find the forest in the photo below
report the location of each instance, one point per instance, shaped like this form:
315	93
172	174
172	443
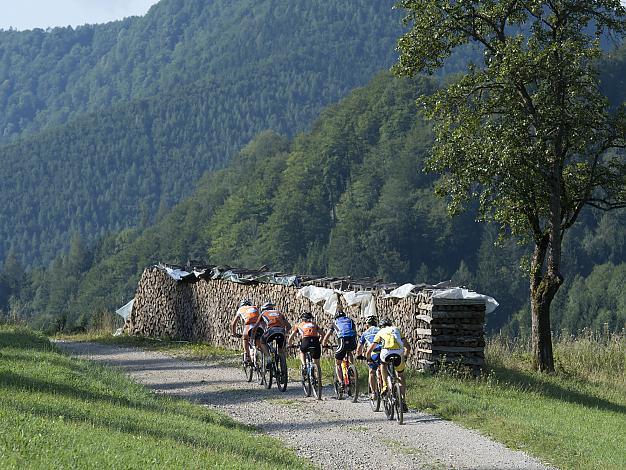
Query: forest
347	198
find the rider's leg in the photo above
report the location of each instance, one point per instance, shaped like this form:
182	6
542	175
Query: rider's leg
383	371
246	346
338	369
372	379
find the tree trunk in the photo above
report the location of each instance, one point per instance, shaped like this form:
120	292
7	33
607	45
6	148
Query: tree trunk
543	288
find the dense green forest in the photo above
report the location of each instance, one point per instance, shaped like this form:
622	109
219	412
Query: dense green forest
112	124
349	197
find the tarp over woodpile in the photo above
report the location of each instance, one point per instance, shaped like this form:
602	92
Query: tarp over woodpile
198	303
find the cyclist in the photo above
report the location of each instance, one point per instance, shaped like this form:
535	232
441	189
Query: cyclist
248	314
344	329
367	338
393	343
310	334
273	325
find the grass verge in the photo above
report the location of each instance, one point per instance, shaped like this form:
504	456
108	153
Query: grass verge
574	418
59	412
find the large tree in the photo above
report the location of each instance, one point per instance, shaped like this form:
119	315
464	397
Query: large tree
527	131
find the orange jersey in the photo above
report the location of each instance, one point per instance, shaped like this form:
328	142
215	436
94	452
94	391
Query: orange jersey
272	319
248	314
308	329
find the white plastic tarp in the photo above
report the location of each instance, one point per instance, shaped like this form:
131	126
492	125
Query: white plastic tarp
125	311
459	293
329	299
401	292
176	274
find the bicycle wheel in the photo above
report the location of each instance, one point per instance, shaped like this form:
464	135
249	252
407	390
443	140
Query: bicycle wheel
306	376
316	380
388	400
259	360
374	397
247	368
353	384
282	375
337	384
398	404
269	374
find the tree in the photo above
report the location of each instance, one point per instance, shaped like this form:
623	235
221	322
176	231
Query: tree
527	132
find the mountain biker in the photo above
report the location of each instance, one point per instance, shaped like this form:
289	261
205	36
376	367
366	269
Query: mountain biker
394	345
366	339
345	331
248	314
273	325
310	334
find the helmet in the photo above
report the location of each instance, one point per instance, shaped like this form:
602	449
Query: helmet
307	316
267	306
386	322
373	320
340	313
245	302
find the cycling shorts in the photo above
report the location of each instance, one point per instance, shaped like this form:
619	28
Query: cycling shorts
375	362
248	328
346	344
277	333
312	344
396	355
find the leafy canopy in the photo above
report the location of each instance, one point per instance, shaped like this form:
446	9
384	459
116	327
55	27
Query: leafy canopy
527	127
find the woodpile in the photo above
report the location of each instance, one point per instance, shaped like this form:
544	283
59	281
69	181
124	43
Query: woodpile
438	329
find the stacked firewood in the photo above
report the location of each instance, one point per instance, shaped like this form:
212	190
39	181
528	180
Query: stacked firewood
450	331
437	329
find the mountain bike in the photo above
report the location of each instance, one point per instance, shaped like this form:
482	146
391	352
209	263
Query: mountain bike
311	376
374	395
252	366
277	367
392	399
349	385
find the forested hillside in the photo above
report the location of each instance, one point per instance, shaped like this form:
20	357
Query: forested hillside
349	197
134	112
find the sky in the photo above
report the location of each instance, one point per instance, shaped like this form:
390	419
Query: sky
29	14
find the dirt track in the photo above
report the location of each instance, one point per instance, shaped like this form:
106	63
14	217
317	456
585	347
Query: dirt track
332	433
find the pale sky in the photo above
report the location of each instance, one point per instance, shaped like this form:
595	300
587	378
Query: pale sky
29	14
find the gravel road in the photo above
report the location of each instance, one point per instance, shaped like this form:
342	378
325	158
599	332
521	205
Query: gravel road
331	433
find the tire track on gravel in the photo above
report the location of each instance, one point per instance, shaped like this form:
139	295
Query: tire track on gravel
331	433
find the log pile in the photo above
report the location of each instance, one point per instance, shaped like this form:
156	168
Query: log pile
437	329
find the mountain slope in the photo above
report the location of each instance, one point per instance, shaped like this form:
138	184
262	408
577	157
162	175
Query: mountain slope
247	66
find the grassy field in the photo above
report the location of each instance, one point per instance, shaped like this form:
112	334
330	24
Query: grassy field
58	412
575	418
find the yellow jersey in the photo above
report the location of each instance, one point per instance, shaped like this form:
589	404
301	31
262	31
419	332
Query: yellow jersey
389	337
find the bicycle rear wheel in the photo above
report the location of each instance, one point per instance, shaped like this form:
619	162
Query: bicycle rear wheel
306	376
247	368
259	367
388	400
374	397
398	403
282	375
353	384
316	380
337	384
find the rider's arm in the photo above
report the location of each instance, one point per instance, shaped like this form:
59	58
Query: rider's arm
359	349
371	348
325	340
407	347
292	335
233	324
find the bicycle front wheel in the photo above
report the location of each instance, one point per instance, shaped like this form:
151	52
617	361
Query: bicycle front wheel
353	384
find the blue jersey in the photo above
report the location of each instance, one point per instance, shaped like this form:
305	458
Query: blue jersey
344	327
368	337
